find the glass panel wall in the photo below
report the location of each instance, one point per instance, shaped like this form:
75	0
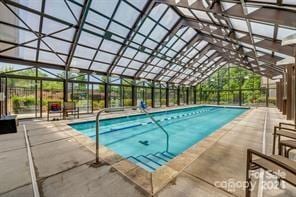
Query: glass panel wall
51	91
98	96
115	98
163	97
22	98
232	85
157	97
173	96
127	96
81	95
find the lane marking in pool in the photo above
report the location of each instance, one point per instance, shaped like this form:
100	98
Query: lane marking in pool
161	120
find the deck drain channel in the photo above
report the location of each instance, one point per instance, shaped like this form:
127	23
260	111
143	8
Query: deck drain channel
31	165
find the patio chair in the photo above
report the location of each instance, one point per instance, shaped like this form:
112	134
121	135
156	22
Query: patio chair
70	107
281	131
278	165
54	107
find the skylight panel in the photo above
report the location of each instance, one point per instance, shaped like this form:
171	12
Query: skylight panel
178	45
50	57
138	39
127	19
262	29
157	11
129	72
189	34
158	33
31	20
141	56
147	26
283	32
97	20
150	44
135	64
59	9
202	15
124	62
57	45
118	29
118	70
289	2
22	53
239	24
110	46
170	18
201	45
186	12
89	39
130	53
104	7
80	63
84	52
139	4
104	57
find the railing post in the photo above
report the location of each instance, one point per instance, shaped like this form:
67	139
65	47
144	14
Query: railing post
97	136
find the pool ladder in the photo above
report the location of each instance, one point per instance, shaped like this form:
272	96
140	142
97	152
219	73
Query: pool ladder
122	109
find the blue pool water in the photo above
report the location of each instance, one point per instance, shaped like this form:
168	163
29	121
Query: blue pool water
143	142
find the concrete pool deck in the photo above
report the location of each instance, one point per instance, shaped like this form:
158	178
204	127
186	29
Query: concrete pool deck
62	164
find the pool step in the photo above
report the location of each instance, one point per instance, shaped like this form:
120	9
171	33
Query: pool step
151	162
142	164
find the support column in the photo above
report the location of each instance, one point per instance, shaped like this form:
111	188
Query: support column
134	95
289	93
66	81
106	94
153	94
167	95
194	96
267	93
240	97
1	102
187	95
178	95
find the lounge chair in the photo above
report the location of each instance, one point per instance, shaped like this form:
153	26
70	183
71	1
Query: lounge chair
54	107
273	164
281	131
70	107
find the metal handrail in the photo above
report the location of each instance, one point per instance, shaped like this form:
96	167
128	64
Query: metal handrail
166	133
135	107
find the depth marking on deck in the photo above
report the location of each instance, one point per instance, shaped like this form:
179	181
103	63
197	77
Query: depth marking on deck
31	165
261	173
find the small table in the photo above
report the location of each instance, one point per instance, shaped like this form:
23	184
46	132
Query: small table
8	124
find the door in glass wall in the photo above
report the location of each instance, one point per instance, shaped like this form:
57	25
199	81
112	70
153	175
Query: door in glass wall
52	91
115	98
127	96
81	95
148	96
22	98
172	97
98	96
157	97
163	97
140	95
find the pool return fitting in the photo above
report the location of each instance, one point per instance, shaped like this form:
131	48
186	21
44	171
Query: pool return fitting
142	108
